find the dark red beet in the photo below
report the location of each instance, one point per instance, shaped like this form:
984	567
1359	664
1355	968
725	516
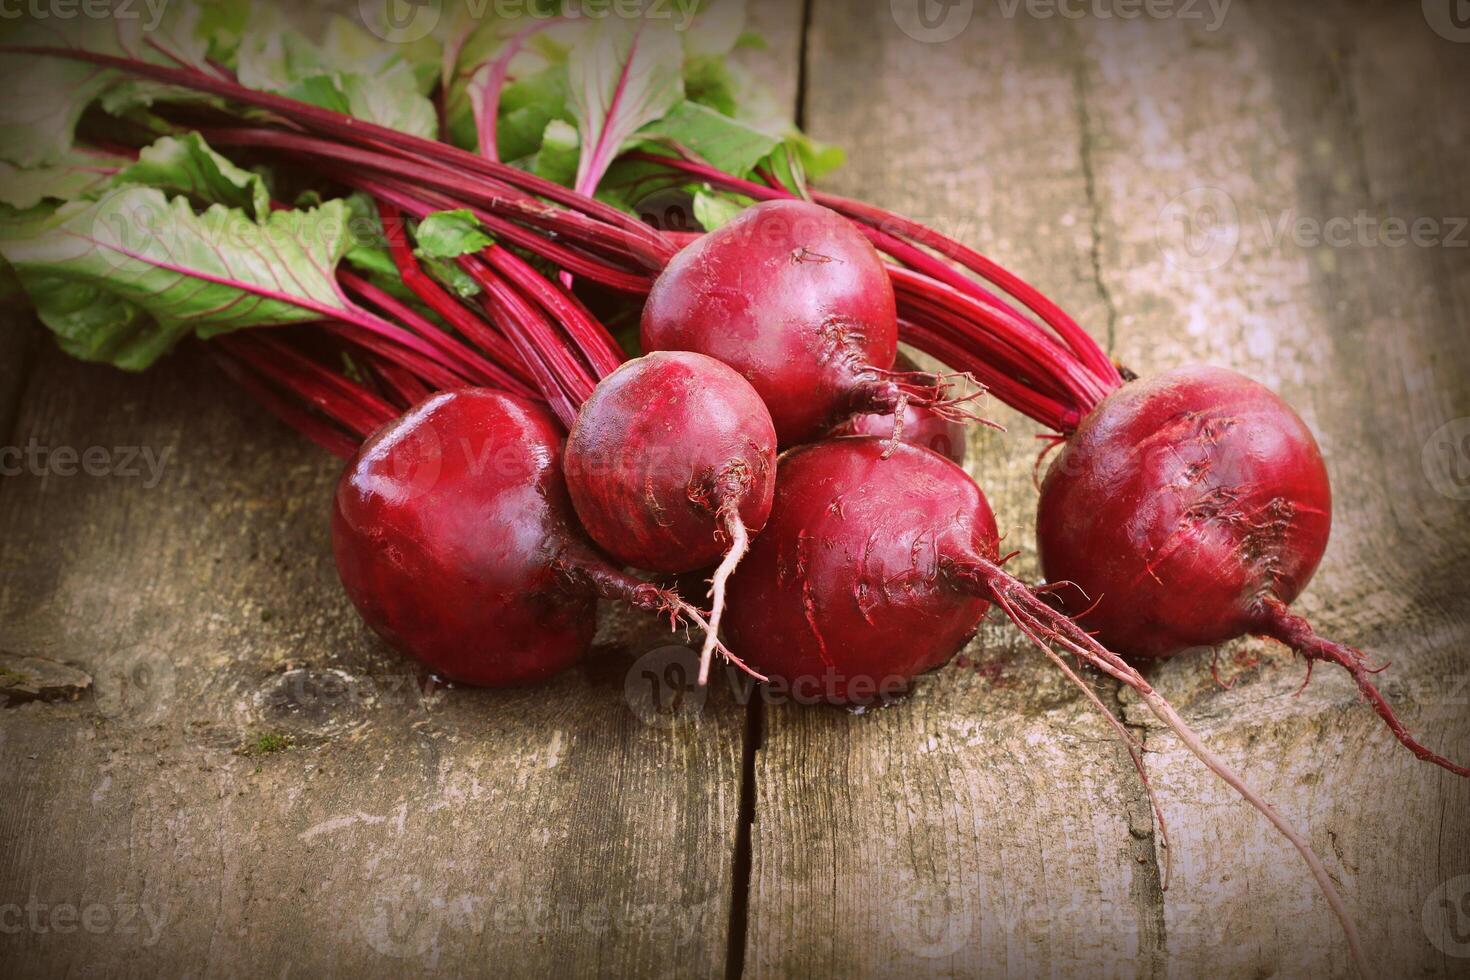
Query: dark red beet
844	596
666	446
671	465
921	426
872	570
1188	509
797	301
1181	503
455	540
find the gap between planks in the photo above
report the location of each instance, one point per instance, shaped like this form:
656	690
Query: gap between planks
740	878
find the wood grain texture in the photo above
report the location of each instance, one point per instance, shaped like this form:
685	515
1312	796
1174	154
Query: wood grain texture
406	829
1297	120
1070	150
16	342
991	825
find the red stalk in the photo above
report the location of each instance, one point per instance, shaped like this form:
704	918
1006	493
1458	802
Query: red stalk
1032	298
1054	361
358	131
486	98
323	433
565	381
438	299
500	198
939	340
401	382
421	203
431	372
485	372
587	334
351	405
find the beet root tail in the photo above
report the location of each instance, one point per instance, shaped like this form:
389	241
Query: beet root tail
1045	626
892	391
585	571
739	545
1287	627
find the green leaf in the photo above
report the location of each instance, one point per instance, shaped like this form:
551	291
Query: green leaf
450	234
729	145
44	99
714	210
536	87
817	159
93	324
348	46
385	91
560	149
124	278
176	34
527	107
712	82
76	175
222	23
388	99
786	164
622	77
716	29
450	274
187	165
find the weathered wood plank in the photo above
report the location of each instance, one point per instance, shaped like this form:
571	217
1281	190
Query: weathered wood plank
1287	115
402	829
990	825
406	828
1058	148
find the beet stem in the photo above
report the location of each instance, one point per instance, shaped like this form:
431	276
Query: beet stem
359	131
1281	624
316	429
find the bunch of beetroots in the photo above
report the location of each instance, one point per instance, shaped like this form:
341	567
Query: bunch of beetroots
1184	511
669	467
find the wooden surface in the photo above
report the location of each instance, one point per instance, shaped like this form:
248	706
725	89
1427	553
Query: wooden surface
990	826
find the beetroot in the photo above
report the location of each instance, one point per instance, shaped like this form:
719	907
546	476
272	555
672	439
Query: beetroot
872	570
791	296
1191	508
846	596
671	452
672	464
455	540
